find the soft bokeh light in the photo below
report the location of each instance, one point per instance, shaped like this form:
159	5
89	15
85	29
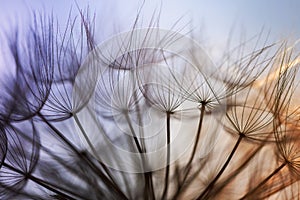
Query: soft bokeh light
253	87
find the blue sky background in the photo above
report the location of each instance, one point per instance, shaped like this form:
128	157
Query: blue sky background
214	18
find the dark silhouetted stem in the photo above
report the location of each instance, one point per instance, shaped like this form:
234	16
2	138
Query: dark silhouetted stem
93	149
40	182
105	179
202	110
188	166
86	136
212	183
137	143
165	191
148	176
239	169
264	181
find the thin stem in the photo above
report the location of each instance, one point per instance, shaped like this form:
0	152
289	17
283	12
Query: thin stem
188	166
57	158
93	148
137	143
39	181
265	180
58	133
149	194
212	183
147	175
202	110
165	191
148	190
87	139
239	169
85	159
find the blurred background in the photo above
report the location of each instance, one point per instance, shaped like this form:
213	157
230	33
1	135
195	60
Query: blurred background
215	19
